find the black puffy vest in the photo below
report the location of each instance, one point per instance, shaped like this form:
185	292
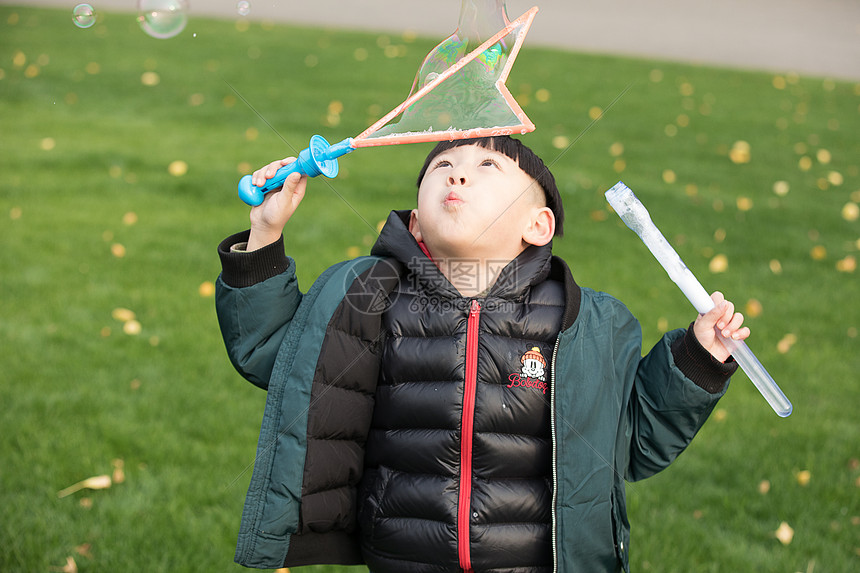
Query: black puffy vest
458	459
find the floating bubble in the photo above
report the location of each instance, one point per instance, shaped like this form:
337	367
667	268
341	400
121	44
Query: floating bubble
467	70
83	16
162	19
244	8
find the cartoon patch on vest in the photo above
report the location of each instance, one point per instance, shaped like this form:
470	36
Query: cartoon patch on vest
533	372
534	364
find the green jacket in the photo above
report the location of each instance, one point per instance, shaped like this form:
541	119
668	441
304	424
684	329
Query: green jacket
616	416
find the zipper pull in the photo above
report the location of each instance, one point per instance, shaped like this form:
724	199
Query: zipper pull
475	307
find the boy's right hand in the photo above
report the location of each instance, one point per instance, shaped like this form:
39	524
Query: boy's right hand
269	217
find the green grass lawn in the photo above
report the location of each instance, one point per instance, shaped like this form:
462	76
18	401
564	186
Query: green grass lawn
93	219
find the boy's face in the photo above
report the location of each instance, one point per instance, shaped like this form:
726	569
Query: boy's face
475	202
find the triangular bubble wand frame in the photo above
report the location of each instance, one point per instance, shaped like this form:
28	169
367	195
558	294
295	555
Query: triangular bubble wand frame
491	62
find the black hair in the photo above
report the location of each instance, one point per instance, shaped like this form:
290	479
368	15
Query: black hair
527	160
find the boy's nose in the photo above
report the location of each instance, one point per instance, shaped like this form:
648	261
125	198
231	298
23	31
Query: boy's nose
457	179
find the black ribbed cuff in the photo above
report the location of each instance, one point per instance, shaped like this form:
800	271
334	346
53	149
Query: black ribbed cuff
246	268
699	365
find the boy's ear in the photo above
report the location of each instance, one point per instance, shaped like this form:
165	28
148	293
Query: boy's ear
541	227
414	227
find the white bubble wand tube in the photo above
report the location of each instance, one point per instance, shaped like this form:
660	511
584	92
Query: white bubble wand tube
635	216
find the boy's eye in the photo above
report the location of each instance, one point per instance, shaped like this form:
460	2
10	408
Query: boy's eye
442	163
489	163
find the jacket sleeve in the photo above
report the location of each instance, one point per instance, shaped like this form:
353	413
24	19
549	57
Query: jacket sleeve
256	296
675	388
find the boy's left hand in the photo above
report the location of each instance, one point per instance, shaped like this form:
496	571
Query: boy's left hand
724	318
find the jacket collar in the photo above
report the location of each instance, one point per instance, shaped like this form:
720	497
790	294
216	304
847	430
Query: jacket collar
532	266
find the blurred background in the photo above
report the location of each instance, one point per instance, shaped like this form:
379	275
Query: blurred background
127	439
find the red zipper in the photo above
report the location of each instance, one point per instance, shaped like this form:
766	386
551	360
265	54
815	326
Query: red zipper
467	424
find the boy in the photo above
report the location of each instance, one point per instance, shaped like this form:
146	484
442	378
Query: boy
455	401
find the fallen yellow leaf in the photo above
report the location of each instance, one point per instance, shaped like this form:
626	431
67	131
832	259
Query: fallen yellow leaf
719	264
560	141
847	265
132	327
818	253
206	289
753	308
851	211
95	482
177	168
69	567
784	345
784	533
740	152
803	477
781	188
764	486
123	314
775	266
118	475
150	79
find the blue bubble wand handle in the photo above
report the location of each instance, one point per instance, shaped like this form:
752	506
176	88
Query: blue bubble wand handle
635	216
320	158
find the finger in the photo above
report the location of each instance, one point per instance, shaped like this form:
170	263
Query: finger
291	182
733	325
741	333
711	317
299	189
266	172
727	311
717	297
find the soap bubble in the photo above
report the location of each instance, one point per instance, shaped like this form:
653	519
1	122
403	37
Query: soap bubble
244	8
83	16
468	97
162	18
